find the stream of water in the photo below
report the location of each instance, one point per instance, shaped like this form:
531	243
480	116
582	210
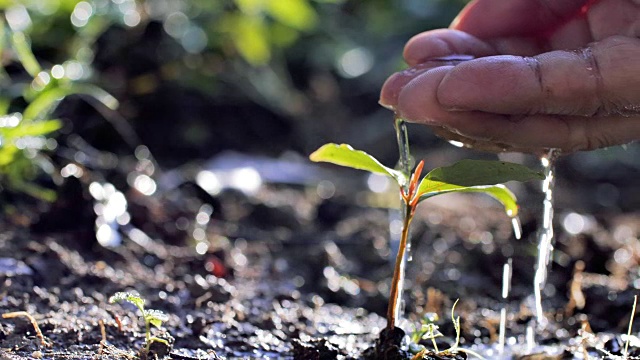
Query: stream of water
545	236
545	240
405	166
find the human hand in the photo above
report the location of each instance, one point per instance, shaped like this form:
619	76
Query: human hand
543	74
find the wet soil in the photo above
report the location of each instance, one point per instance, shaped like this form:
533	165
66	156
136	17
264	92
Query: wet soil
297	272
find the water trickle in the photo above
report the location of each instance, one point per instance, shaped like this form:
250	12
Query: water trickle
545	239
503	330
506	278
506	287
530	339
405	166
517	227
402	136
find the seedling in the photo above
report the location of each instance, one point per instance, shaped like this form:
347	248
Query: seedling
464	176
150	316
429	330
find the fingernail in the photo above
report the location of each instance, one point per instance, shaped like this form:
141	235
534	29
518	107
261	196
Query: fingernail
387	106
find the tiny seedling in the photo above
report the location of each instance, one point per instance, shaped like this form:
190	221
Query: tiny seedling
482	176
150	316
429	330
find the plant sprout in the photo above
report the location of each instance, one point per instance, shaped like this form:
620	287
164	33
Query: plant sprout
482	176
429	330
150	316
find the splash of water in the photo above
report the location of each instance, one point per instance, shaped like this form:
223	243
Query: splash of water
545	240
405	166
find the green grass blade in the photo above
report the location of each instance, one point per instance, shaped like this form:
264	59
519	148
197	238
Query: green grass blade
483	172
345	155
42	105
36	191
25	55
37	128
97	93
429	188
46	101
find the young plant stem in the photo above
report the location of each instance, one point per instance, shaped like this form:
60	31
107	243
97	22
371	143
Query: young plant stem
148	341
398	269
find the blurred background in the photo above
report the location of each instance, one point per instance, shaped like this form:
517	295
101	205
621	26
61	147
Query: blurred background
141	87
278	78
157	93
197	78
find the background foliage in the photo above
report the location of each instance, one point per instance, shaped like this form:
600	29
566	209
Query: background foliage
195	78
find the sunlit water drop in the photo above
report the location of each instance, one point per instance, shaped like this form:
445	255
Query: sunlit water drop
545	240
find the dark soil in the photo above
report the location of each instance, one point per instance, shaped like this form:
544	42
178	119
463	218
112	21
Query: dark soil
289	275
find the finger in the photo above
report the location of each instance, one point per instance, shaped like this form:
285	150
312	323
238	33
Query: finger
487	19
392	86
614	17
568	133
418	102
534	134
600	79
443	42
573	34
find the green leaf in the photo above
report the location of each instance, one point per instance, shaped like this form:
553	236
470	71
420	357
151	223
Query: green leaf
135	299
482	172
298	14
7	154
429	188
249	35
345	155
5	102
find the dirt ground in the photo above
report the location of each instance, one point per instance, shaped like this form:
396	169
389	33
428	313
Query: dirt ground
300	272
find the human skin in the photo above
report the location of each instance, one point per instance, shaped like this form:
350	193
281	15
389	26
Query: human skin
526	75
